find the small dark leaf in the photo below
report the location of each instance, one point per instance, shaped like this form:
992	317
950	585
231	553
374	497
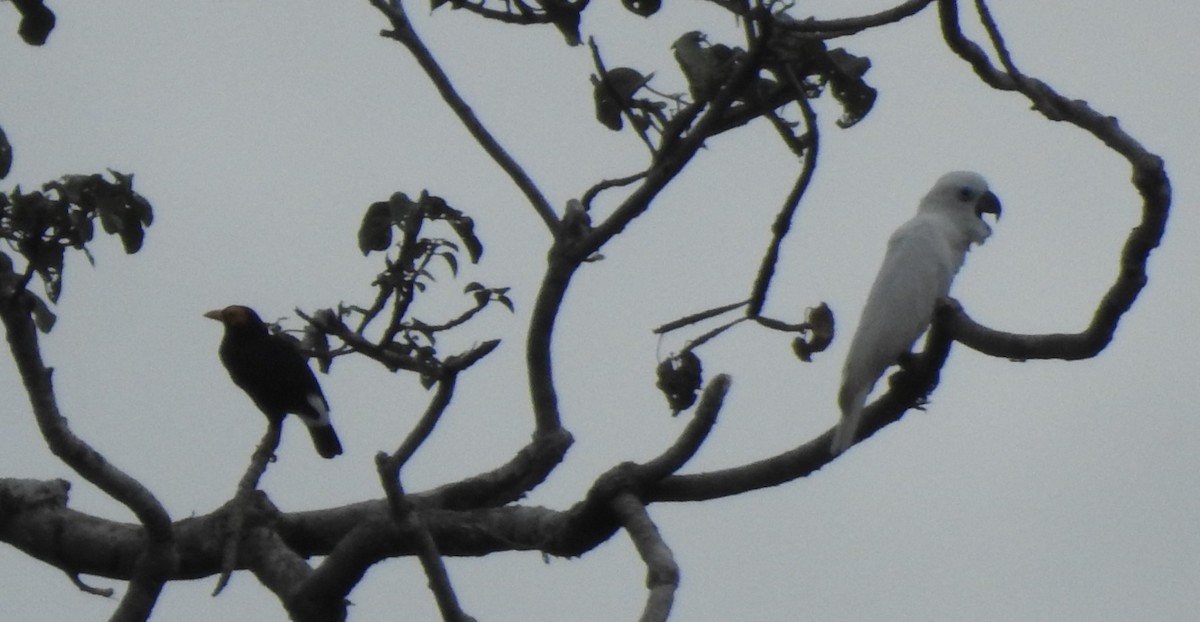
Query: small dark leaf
36	21
6	155
679	378
375	232
612	94
644	8
465	228
48	262
820	328
109	221
608	109
565	16
131	238
78	188
141	209
452	261
43	317
82	226
506	301
855	95
473	286
436	208
52	282
402	208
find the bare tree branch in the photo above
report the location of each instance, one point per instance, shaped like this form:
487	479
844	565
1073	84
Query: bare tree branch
694	434
158	558
662	573
247	486
783	221
831	28
1149	178
403	512
402	31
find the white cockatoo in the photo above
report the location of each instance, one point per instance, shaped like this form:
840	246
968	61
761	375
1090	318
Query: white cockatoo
922	258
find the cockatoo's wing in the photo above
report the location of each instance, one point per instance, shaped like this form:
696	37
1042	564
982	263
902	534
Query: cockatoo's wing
916	272
922	258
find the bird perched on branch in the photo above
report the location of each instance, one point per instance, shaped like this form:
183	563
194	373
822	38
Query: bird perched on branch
270	369
922	258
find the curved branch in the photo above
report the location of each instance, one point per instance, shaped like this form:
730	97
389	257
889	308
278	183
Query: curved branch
538	356
402	509
832	28
390	467
783	221
244	497
676	149
908	388
693	434
157	558
1149	178
662	573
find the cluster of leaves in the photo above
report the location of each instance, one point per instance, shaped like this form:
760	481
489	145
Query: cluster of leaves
816	333
800	66
680	378
397	227
40	226
681	375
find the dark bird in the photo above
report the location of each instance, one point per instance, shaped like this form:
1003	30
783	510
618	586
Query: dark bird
270	369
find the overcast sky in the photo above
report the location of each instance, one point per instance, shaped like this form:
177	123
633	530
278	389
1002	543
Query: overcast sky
261	131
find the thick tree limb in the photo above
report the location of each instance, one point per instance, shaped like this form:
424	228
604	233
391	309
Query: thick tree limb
662	573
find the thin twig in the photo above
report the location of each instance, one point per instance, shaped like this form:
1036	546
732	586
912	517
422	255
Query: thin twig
403	512
263	455
783	221
833	28
603	185
616	96
696	317
403	31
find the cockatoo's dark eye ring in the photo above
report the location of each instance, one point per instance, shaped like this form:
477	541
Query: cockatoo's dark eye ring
966	194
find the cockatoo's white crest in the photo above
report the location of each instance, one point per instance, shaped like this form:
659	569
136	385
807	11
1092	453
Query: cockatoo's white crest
923	255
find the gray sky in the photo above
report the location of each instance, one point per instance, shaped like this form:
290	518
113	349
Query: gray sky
261	131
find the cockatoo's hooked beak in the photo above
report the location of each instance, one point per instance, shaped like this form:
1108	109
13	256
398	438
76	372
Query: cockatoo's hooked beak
988	203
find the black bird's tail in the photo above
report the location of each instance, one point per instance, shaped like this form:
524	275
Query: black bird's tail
325	440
